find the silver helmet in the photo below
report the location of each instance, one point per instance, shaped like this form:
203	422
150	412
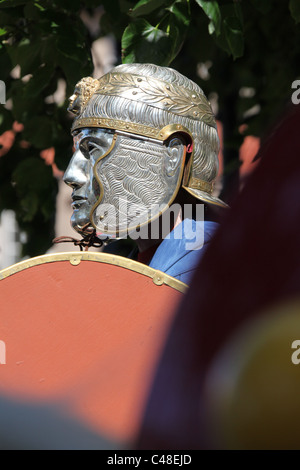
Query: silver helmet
160	135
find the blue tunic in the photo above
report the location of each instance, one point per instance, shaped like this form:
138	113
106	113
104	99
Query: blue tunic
179	253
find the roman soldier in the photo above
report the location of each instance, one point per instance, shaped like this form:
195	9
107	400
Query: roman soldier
145	163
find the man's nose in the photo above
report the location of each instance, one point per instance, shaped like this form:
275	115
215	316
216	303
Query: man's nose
76	172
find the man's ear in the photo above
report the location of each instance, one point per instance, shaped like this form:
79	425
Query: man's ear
176	151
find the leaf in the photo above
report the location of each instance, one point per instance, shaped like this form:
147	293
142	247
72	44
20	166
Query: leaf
212	10
34	183
29	204
73	71
176	23
142	42
39	81
234	36
160	44
180	13
231	38
143	7
294	7
24	107
26	55
70	43
38	131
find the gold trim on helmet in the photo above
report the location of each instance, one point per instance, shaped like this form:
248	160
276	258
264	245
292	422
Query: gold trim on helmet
149	90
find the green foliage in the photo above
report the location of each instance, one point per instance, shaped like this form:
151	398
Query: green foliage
251	44
143	7
165	25
213	12
248	45
294	6
159	44
47	41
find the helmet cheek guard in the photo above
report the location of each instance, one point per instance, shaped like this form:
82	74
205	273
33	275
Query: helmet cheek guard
138	179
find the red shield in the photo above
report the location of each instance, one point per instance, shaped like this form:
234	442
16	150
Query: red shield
85	330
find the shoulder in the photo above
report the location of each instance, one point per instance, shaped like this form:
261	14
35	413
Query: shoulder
179	253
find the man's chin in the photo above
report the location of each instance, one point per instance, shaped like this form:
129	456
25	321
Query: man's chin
81	226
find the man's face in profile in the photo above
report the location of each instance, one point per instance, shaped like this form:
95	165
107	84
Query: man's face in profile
120	183
89	145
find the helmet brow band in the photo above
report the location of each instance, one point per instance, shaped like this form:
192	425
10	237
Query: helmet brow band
131	127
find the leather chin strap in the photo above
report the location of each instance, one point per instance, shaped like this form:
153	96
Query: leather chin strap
85	243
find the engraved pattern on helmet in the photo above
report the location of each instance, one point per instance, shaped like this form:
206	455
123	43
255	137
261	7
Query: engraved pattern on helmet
206	141
158	93
134	173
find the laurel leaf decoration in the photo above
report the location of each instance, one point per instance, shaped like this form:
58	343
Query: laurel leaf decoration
170	97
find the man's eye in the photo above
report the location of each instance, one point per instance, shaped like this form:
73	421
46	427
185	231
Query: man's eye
91	147
87	148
